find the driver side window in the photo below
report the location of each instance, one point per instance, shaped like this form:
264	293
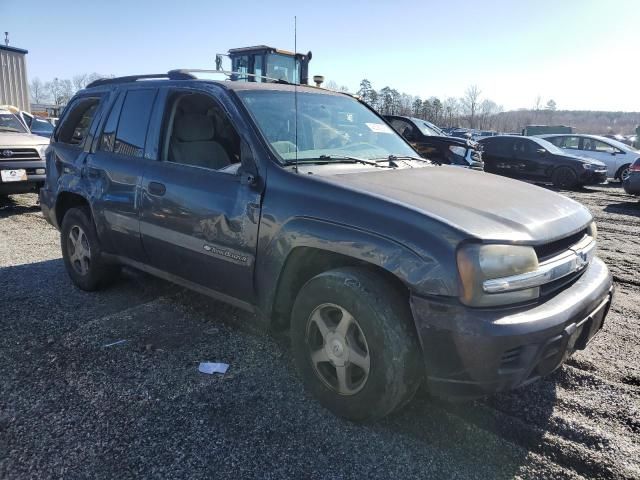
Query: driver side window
199	133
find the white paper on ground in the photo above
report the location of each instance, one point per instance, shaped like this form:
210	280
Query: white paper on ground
210	368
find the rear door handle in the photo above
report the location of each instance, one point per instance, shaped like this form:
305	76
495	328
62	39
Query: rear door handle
157	188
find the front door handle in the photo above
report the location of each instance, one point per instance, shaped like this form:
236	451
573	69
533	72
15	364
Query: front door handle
157	188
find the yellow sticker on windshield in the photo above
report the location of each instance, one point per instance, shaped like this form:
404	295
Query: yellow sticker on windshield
378	127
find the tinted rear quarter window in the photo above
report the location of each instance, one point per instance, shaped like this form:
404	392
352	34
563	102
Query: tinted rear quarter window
130	123
75	126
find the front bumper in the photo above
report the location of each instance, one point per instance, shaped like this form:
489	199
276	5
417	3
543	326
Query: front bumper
632	184
33	182
471	352
593	177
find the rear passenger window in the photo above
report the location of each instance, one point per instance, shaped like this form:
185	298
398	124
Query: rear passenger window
126	129
75	126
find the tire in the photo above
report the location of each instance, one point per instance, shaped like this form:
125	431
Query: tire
623	172
378	352
81	251
564	177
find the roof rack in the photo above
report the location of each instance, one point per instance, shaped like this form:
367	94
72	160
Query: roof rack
228	73
171	75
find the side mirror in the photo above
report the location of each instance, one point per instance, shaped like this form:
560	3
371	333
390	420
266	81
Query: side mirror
542	151
612	151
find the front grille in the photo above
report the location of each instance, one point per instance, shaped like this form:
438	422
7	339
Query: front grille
552	287
18	154
549	250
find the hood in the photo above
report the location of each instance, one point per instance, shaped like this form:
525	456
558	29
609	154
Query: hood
439	139
482	205
585	159
12	139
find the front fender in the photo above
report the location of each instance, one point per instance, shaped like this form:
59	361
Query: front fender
421	273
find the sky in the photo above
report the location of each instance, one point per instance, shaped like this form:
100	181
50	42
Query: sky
584	54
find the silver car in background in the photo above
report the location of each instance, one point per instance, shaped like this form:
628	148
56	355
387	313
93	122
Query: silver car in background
617	156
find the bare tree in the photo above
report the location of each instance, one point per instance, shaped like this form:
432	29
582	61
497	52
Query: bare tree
54	89
331	85
80	81
470	102
38	91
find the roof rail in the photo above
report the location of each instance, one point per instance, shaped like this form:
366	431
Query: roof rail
228	73
171	75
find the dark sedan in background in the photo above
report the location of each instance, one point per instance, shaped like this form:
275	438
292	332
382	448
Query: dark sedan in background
535	159
631	184
434	144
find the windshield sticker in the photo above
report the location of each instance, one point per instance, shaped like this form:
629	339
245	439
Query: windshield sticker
379	128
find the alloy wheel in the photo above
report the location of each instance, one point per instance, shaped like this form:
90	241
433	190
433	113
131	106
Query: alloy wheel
338	349
79	250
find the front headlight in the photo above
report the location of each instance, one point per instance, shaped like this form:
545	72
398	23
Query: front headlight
591	166
457	150
478	263
42	151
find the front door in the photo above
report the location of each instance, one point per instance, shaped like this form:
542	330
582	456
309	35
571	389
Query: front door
603	152
199	217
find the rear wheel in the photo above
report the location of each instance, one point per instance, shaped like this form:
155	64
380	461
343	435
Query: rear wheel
81	251
354	344
564	177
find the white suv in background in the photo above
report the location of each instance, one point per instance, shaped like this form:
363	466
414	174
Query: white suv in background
617	156
22	165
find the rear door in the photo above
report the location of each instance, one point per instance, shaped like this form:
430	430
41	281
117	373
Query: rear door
200	214
115	168
498	155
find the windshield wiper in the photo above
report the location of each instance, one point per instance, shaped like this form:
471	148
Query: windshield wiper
336	159
392	158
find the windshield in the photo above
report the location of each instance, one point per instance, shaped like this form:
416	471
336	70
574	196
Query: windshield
428	129
9	123
550	147
328	125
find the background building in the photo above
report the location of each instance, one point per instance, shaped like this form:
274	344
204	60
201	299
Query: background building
14	85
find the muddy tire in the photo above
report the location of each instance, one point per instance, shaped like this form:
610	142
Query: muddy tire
564	177
81	251
355	345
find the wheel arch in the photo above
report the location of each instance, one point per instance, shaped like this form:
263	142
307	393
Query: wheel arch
618	174
67	200
307	248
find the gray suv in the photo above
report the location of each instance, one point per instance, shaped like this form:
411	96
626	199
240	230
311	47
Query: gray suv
305	207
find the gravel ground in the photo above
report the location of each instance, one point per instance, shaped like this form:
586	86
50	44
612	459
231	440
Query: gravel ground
71	407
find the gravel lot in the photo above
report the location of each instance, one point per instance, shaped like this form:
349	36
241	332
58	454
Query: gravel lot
71	407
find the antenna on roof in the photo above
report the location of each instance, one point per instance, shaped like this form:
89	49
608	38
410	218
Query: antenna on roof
295	84
6	38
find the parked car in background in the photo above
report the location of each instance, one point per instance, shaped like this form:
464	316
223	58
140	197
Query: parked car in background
619	138
535	159
303	206
617	156
434	144
22	165
631	184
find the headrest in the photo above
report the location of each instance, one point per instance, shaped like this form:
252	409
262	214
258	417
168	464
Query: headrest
194	127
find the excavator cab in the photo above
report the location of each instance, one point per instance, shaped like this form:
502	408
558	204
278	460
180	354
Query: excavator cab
267	64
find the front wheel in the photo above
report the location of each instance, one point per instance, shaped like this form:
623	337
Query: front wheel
624	173
564	177
354	344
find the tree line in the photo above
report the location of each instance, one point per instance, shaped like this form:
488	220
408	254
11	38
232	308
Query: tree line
60	90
